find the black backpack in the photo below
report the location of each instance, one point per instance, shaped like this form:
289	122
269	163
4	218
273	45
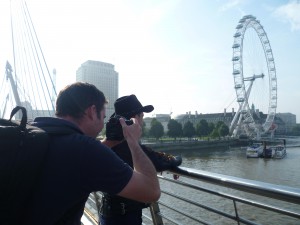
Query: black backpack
23	149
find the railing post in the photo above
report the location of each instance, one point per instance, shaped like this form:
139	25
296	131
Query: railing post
155	213
236	213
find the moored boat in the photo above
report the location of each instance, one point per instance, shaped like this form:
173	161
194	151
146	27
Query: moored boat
279	151
255	150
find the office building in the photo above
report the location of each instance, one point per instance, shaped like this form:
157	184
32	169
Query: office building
104	77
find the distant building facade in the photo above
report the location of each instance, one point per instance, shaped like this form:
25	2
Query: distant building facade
214	118
284	122
104	77
289	120
162	118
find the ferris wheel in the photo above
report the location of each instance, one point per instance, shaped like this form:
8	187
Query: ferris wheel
255	81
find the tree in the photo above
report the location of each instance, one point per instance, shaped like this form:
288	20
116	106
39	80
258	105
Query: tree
211	127
215	133
153	121
174	129
144	130
223	130
202	128
219	124
157	129
188	130
220	130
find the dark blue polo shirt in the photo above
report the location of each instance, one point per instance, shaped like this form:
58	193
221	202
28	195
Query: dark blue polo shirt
75	166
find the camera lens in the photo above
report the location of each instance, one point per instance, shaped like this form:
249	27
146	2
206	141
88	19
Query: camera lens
129	122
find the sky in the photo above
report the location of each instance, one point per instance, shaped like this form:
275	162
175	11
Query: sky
173	54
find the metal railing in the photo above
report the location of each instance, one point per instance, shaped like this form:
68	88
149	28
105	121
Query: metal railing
200	197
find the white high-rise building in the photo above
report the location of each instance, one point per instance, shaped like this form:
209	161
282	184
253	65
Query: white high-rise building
104	77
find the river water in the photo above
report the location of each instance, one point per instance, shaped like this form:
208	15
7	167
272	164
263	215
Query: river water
233	162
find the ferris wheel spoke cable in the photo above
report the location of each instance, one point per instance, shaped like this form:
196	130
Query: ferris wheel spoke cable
258	96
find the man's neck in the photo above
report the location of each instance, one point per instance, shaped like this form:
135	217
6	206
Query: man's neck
77	122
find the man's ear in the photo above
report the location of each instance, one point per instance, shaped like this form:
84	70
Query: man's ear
91	112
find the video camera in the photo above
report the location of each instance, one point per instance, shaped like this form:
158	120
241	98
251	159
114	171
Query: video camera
114	129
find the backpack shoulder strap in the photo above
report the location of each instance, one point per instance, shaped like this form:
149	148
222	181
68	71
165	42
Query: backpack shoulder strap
24	116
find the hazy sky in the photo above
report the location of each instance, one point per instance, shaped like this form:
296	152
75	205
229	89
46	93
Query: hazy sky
174	54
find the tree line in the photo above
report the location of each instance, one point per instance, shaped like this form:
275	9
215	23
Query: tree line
176	130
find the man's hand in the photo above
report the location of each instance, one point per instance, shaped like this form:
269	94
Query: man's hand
131	133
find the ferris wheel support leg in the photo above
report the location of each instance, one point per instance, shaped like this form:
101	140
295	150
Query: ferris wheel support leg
237	127
233	122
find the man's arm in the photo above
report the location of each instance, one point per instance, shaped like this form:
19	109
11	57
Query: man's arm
143	185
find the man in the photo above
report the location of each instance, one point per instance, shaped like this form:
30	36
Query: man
117	210
77	164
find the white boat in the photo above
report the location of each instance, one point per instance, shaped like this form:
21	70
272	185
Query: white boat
255	150
279	151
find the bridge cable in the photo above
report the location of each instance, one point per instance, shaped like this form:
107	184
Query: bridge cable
53	86
33	39
29	59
